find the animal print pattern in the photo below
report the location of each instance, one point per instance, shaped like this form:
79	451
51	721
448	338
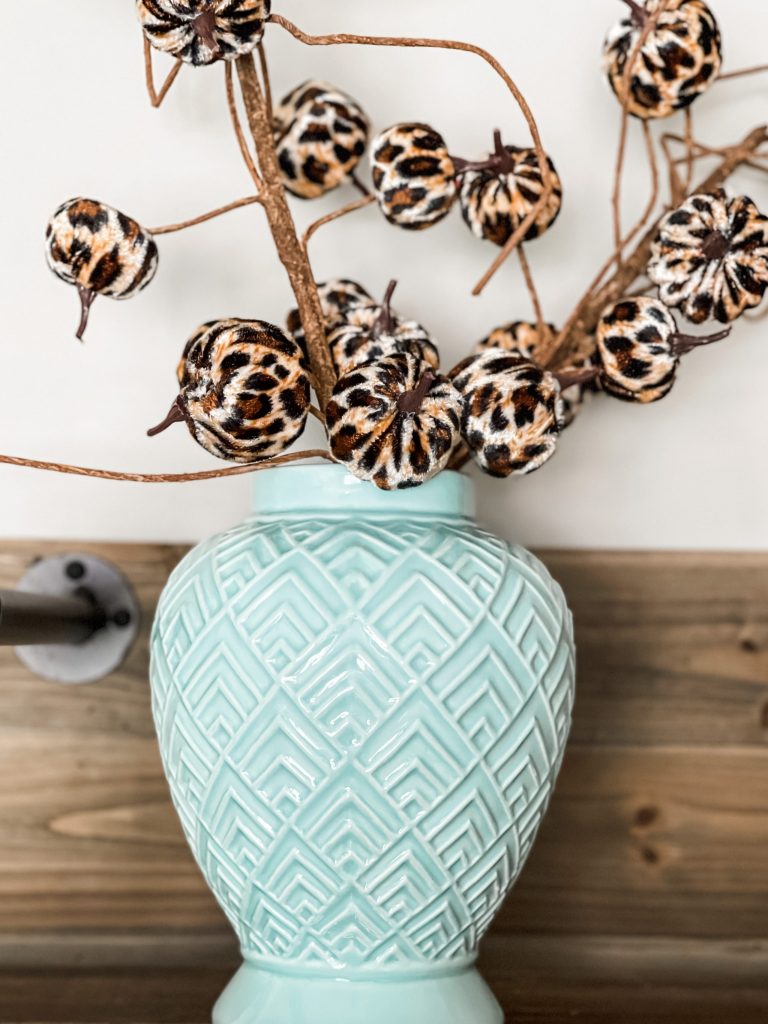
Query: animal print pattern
679	60
339	299
495	202
353	345
322	136
635	339
99	249
394	422
711	257
245	393
511	412
525	340
202	31
413	176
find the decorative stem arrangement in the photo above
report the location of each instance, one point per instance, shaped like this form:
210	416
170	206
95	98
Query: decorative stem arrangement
392	418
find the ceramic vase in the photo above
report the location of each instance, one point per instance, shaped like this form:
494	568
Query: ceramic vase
362	700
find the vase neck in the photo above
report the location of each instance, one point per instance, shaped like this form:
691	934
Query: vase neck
326	490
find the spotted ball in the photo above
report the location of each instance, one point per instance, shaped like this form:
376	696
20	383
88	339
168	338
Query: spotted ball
202	31
414	177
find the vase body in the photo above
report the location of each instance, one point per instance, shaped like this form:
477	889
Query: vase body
362	701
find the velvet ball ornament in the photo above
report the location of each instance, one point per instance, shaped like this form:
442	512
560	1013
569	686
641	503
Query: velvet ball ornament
511	412
100	251
352	345
338	299
322	141
414	177
245	392
394	422
678	61
711	257
529	342
203	31
498	194
640	347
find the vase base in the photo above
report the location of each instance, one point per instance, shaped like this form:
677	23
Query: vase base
264	996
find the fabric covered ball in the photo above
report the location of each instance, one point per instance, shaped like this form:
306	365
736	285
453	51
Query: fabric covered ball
496	198
511	412
202	31
635	340
711	257
394	422
525	340
339	298
353	345
245	392
100	251
413	176
322	141
678	61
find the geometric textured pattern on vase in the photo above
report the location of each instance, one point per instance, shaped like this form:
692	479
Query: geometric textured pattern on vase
362	711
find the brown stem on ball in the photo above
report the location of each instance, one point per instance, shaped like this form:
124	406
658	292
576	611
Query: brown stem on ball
499	162
715	246
684	343
411	401
568	378
639	13
205	26
87	298
385	323
175	415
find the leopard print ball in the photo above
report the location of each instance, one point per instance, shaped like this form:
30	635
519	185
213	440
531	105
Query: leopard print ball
353	345
100	251
339	298
394	422
678	61
413	176
245	392
710	258
511	412
321	144
497	199
202	31
635	340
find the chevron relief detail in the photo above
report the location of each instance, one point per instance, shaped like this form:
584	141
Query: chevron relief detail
361	725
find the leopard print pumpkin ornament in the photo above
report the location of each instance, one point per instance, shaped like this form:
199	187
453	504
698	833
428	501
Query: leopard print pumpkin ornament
202	31
678	61
322	136
498	194
710	258
99	250
640	348
339	299
511	412
394	422
414	177
245	392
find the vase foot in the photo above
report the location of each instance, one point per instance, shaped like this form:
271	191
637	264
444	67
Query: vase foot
259	995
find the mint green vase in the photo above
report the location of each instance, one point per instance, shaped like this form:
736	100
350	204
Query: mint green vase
362	700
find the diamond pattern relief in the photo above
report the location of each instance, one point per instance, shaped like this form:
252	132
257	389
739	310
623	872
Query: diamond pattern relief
361	724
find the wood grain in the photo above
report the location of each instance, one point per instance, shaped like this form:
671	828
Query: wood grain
658	829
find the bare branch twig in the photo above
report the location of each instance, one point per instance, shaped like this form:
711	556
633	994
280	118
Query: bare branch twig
358	204
220	211
156	98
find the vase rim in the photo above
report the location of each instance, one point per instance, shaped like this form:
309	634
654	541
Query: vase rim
331	489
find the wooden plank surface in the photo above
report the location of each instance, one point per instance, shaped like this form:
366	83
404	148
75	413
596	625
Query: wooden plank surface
659	826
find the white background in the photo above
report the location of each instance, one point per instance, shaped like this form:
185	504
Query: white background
687	473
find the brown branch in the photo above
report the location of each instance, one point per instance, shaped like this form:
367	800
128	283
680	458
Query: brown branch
531	286
156	98
756	70
164	478
265	77
576	342
245	151
220	211
346	39
283	228
689	159
358	204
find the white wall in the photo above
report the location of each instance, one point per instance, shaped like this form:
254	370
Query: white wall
689	472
